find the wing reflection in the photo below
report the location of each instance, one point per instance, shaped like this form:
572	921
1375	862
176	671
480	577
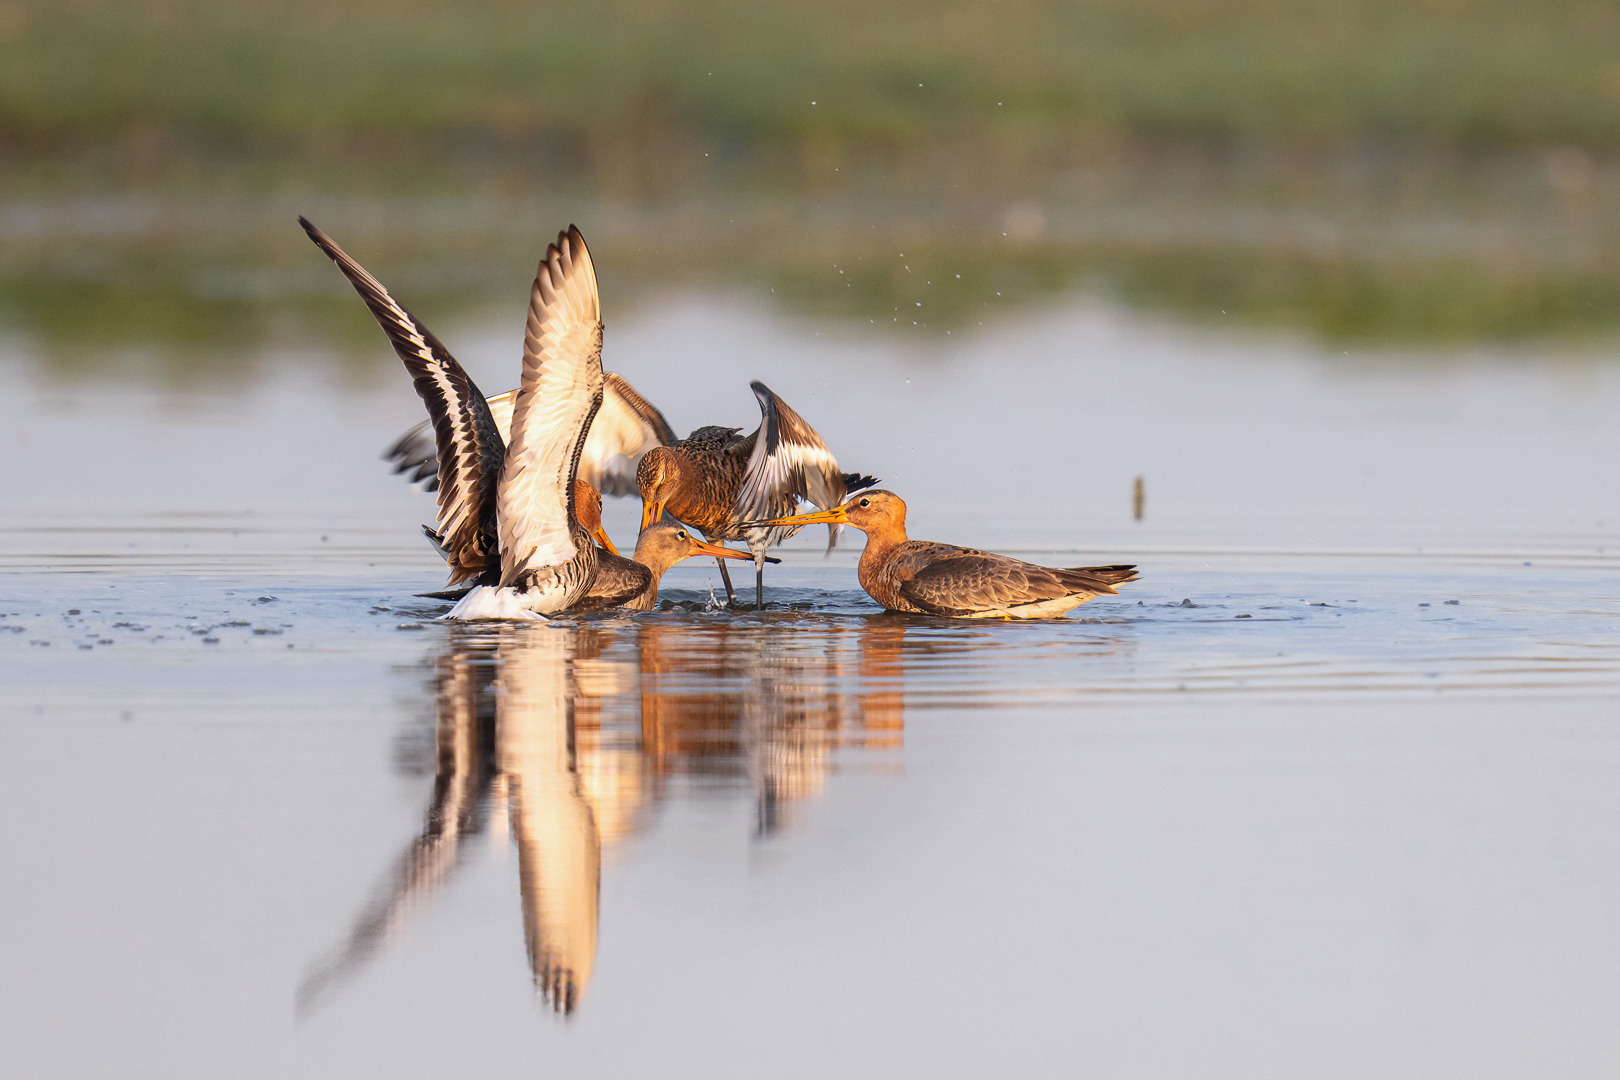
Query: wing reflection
458	810
570	736
559	849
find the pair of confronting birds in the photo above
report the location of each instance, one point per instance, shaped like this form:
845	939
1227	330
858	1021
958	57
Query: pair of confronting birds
520	476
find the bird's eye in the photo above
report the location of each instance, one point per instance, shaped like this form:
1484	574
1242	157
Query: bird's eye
866	502
680	536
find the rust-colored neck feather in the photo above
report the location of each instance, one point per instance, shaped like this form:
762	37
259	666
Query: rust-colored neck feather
587	505
885	530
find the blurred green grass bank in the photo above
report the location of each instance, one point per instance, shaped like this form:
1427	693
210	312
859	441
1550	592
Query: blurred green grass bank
1429	171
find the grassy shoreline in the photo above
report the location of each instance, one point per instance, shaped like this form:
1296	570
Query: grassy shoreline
1513	252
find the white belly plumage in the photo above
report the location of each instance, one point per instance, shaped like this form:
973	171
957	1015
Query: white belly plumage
1039	609
504	602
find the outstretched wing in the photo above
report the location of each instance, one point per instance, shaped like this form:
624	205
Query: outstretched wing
625	428
468	447
984	582
560	393
457	812
789	459
417	453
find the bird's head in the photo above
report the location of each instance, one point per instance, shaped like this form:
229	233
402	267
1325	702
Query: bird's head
657	477
665	543
870	511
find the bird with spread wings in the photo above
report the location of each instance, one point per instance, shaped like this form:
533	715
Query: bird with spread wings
717	479
508	519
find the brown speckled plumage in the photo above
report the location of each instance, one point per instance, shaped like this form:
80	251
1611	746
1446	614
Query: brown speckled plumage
707	467
723	483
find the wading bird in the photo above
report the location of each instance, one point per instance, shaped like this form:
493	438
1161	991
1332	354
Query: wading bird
709	481
621	582
723	484
507	513
942	579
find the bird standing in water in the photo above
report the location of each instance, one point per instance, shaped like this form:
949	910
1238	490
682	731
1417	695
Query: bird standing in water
942	579
723	484
710	480
507	513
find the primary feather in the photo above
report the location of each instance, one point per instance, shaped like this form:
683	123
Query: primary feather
560	393
625	428
468	448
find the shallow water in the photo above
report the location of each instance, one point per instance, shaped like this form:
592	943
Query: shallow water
1331	790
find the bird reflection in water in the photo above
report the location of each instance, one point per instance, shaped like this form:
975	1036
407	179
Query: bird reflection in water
723	699
569	736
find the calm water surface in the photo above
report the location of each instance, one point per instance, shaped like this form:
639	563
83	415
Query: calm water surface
1333	790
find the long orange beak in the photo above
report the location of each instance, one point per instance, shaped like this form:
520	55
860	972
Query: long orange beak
703	547
835	516
650	512
602	538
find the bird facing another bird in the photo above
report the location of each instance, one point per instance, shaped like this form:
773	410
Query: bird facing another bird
930	578
518	479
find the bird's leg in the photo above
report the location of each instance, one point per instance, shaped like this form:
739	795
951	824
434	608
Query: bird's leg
725	576
759	579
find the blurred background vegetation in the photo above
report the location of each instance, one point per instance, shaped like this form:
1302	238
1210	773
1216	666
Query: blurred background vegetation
1373	170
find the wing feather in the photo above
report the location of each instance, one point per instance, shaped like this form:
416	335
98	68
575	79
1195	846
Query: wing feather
467	446
625	428
500	410
416	452
975	581
560	392
789	462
